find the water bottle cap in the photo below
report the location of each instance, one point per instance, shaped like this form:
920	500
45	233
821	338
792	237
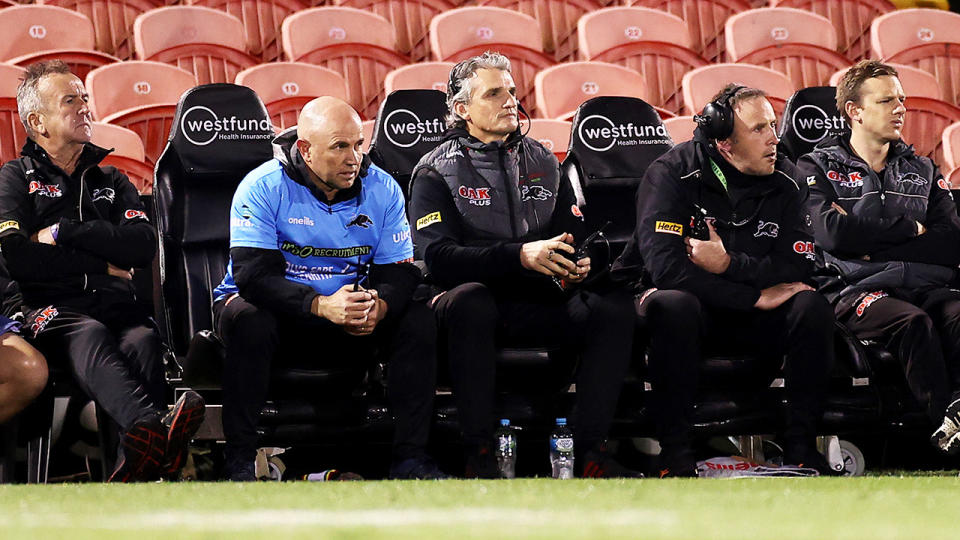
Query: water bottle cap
504	422
561	421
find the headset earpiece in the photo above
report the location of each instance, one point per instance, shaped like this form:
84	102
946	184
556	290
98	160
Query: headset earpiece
716	120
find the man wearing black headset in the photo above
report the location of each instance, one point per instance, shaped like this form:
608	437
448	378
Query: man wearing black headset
722	251
497	225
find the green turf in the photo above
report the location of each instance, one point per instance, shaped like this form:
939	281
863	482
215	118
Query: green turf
854	508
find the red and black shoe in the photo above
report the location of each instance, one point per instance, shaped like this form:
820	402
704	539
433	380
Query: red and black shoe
182	423
141	452
599	463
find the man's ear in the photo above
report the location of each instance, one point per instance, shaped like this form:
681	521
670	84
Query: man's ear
304	148
724	145
853	111
35	121
460	109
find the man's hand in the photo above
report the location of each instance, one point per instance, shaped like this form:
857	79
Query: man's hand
920	228
344	307
44	236
541	256
580	274
116	271
708	254
774	297
376	314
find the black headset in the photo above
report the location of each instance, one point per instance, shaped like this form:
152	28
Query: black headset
716	120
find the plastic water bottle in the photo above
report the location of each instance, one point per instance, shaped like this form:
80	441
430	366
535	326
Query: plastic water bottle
506	450
561	450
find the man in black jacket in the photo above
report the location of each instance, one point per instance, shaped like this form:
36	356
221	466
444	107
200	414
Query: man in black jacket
724	254
71	232
304	226
496	225
889	224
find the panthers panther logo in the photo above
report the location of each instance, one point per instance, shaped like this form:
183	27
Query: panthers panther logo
537	193
362	220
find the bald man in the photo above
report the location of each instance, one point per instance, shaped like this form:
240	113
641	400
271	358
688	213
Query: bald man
321	274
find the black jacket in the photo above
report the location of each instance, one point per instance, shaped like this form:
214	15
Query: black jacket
881	217
472	206
101	220
260	273
763	230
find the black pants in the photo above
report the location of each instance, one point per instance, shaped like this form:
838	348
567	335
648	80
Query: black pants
923	332
475	322
115	355
679	326
256	338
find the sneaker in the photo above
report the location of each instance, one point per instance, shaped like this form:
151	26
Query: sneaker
418	468
810	458
481	464
947	436
678	463
141	451
182	423
599	463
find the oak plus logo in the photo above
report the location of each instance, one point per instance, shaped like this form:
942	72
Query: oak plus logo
201	126
811	123
141	88
405	129
599	133
37	31
290	88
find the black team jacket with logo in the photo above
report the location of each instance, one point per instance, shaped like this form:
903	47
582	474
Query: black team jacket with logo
101	220
472	205
881	221
761	221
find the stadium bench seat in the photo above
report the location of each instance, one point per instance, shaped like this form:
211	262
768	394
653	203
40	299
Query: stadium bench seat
33	33
112	21
285	87
851	19
411	21
809	116
951	147
367	127
915	81
680	128
701	84
924	124
923	38
560	89
558	22
140	96
422	75
800	44
464	32
12	134
127	155
554	135
261	22
206	42
705	19
355	43
648	41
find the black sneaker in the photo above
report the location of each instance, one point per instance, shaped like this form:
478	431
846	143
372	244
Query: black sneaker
141	452
182	423
241	471
810	458
677	463
599	463
481	464
947	436
419	468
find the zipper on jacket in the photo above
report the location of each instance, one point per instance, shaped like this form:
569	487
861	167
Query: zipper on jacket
508	185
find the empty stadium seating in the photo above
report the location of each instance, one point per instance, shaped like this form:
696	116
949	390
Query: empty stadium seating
206	42
924	124
34	33
680	128
140	96
851	19
464	32
562	88
112	21
127	155
410	18
355	43
261	22
558	22
701	84
554	135
12	134
951	147
285	87
705	19
915	81
426	75
648	41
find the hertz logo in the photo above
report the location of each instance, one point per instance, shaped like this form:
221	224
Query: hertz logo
669	227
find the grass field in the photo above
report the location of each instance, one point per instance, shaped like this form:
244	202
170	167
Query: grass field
848	508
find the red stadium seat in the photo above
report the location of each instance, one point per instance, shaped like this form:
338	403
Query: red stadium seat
851	19
464	32
562	88
12	134
127	155
800	44
355	43
648	41
923	38
680	128
953	179
112	21
916	82
368	134
285	87
554	135
410	18
951	147
924	124
422	75
705	19
261	22
35	33
701	84
206	42
140	96
558	22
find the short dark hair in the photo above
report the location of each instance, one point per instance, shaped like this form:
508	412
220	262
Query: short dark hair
742	93
848	89
28	93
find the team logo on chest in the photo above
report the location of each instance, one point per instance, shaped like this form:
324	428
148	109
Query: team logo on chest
536	193
911	178
45	190
104	194
767	228
476	196
852	180
362	220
